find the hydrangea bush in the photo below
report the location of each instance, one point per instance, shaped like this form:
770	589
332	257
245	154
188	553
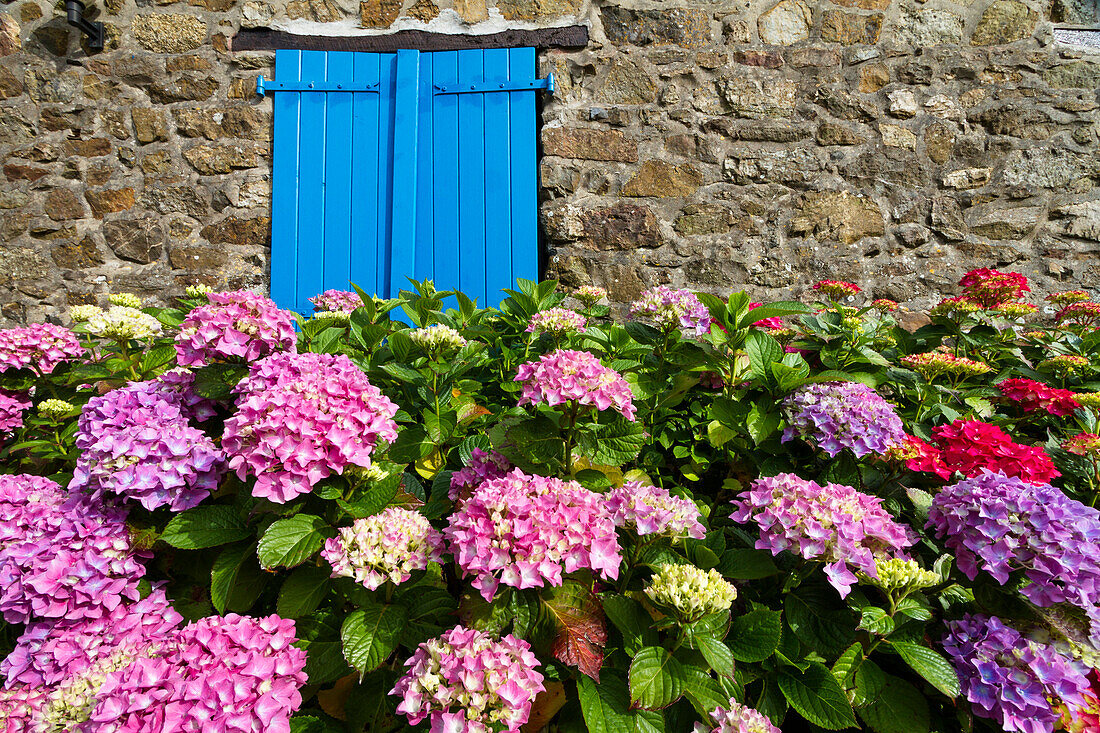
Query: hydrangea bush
709	514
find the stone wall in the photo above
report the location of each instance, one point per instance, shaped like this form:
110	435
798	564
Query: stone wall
718	144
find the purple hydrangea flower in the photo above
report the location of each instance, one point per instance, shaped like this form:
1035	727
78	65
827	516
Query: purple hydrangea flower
482	467
336	301
834	524
39	346
1011	679
670	309
839	415
12	406
1001	524
652	510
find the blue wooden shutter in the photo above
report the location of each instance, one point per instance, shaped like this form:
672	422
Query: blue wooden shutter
400	165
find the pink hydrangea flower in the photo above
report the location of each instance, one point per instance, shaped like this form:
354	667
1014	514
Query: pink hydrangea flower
482	467
21	706
737	719
771	323
386	547
136	443
834	524
49	652
238	325
670	308
338	301
574	376
39	346
525	531
466	682
231	673
652	510
301	418
12	407
557	321
61	558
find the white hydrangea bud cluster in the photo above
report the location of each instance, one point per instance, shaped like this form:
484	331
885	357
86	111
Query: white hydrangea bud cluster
198	291
52	409
122	323
127	300
899	575
438	339
692	593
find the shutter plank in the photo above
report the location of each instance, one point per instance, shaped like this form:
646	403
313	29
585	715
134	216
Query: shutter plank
336	248
524	199
445	181
471	181
311	196
498	180
284	178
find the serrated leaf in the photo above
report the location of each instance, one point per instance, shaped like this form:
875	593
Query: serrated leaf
303	591
319	636
762	350
537	440
817	619
618	442
290	542
717	654
762	421
373	499
817	697
370	635
205	526
876	620
656	679
744	564
703	691
915	607
930	665
157	357
631	620
605	706
754	636
466	447
898	708
580	625
236	581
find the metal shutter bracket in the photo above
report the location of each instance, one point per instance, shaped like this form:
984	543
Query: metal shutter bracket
263	86
505	85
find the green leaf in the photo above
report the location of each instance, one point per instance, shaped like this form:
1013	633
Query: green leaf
915	607
370	635
412	444
205	526
754	636
605	706
930	665
157	357
656	679
402	373
319	636
235	579
370	501
717	654
817	697
876	620
779	309
762	350
898	708
632	621
440	425
762	421
466	447
618	442
869	680
292	541
303	591
817	619
537	440
742	564
703	691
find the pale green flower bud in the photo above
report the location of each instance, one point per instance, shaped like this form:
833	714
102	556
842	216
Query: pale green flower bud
692	593
437	339
129	300
198	291
123	323
82	313
895	574
55	409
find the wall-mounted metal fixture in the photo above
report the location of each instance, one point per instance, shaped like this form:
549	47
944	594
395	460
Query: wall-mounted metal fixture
94	31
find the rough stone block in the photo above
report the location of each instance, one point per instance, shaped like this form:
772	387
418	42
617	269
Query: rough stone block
620	227
660	179
589	144
136	240
996	222
1004	21
109	201
850	28
687	27
840	216
168	32
785	23
62	204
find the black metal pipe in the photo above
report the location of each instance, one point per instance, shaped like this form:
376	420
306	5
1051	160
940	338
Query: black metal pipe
75	11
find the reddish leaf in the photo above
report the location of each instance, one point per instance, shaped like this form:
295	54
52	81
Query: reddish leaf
581	627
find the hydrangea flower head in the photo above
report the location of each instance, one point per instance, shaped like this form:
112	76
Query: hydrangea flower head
737	718
955	306
1032	395
839	415
1014	309
1009	678
1001	524
773	323
938	363
122	323
989	288
652	510
884	304
671	309
12	407
301	418
897	574
81	313
834	524
482	467
128	300
437	340
1082	313
970	446
525	531
53	409
1066	365
198	290
919	456
837	289
467	682
1090	400
238	325
1083	444
689	592
1065	297
386	547
574	376
558	321
336	301
590	295
39	346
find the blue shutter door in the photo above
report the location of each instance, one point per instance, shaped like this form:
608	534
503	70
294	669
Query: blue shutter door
408	180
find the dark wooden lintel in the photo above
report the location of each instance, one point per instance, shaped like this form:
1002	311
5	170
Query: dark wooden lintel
265	39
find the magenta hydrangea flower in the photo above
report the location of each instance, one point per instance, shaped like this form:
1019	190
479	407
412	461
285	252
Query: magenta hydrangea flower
21	707
839	415
482	467
231	673
12	407
557	321
467	682
653	510
670	309
137	444
386	547
49	652
238	325
574	376
1013	680
336	301
1001	524
61	558
834	524
39	346
737	719
524	531
301	418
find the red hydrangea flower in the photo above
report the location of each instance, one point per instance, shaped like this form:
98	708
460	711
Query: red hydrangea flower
1032	395
920	456
989	288
1079	314
969	446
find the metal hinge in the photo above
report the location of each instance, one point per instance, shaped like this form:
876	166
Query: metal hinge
506	85
270	85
